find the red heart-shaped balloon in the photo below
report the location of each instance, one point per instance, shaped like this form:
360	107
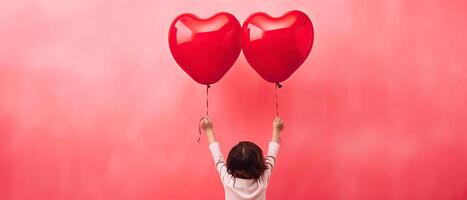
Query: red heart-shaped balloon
205	48
276	47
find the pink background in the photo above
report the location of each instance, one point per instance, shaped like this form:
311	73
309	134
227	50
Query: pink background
93	106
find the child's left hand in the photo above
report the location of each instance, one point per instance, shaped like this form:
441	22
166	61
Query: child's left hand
206	124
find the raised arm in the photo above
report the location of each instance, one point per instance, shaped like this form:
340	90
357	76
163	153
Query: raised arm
214	147
277	127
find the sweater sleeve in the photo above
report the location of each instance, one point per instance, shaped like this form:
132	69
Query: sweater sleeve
270	161
219	161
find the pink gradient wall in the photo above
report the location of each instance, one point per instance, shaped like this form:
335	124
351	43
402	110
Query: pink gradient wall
92	105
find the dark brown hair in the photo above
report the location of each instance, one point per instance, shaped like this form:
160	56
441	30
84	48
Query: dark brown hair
246	161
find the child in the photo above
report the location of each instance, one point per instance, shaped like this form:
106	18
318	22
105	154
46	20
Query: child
246	173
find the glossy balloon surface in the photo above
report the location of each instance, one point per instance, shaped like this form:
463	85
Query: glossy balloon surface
205	48
276	47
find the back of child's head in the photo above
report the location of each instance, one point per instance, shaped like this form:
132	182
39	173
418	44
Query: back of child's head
246	161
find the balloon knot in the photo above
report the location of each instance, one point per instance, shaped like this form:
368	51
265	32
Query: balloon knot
278	85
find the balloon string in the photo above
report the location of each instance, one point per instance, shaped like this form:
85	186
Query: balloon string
207	112
207	99
278	85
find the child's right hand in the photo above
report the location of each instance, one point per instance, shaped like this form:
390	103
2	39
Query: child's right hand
278	125
206	124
